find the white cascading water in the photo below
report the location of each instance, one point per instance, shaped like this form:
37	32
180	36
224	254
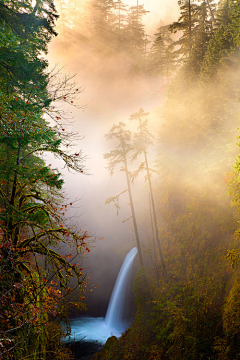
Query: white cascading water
116	305
100	329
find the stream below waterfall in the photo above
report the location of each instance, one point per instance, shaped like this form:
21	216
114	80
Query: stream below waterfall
93	332
88	335
94	329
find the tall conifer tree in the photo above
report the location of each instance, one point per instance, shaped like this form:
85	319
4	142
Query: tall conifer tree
119	156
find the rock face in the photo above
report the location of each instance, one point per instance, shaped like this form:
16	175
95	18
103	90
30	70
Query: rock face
111	343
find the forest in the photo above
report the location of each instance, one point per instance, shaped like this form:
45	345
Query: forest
177	192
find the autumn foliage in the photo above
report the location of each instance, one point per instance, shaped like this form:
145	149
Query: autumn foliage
35	277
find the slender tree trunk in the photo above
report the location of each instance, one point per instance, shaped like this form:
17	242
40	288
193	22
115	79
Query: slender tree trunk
209	6
153	235
12	200
153	238
190	26
132	207
14	188
8	176
153	208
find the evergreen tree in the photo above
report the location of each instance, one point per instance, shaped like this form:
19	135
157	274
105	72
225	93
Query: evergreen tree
121	24
186	24
74	22
203	33
196	26
142	140
26	31
104	23
224	45
119	156
32	206
161	60
136	37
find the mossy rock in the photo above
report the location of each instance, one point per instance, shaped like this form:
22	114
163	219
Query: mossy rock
109	350
113	340
96	356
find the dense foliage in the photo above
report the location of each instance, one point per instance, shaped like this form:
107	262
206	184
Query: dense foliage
34	274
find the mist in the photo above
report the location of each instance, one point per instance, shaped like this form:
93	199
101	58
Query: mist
111	93
120	140
113	88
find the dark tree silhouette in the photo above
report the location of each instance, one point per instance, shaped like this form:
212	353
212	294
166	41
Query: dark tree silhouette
142	140
119	156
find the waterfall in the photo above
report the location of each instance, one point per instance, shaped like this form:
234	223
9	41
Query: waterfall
100	329
116	305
